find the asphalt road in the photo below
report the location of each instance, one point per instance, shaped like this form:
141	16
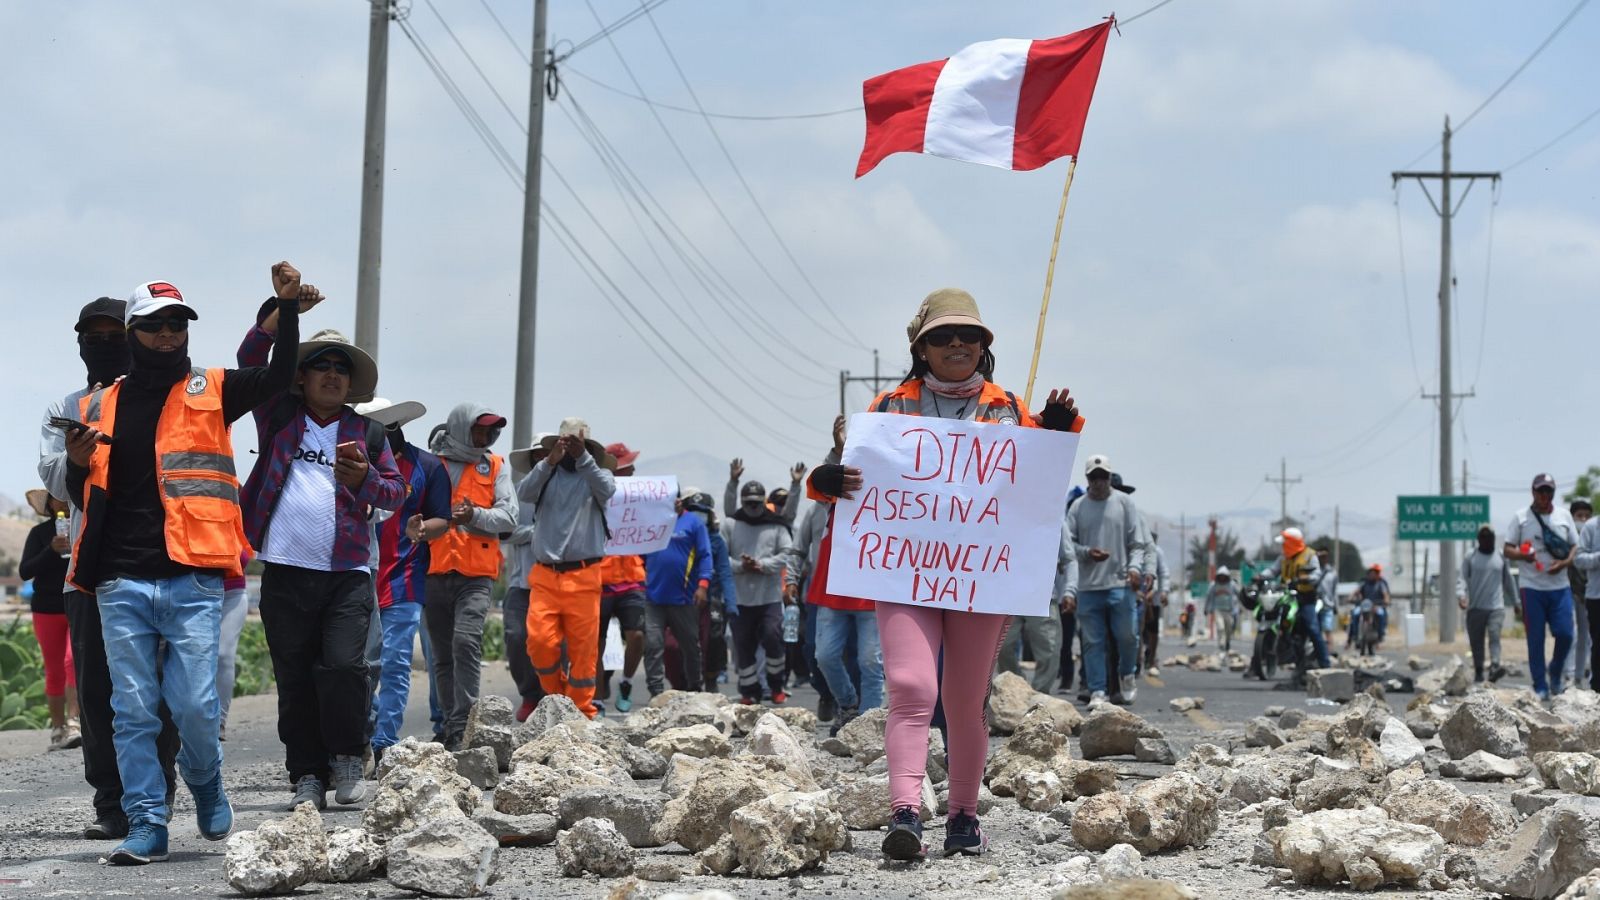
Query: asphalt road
44	803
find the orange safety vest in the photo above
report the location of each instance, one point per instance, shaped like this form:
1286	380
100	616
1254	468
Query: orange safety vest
460	551
622	570
194	466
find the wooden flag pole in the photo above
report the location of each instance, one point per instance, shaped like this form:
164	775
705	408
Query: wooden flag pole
1049	276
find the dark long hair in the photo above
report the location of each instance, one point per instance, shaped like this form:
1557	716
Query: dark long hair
919	366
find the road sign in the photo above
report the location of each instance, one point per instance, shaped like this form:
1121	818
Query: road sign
1441	518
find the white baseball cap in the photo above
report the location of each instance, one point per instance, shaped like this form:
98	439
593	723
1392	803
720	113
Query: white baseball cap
153	296
389	413
1223	570
1098	462
1295	533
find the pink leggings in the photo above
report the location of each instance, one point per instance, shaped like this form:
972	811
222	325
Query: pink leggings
51	631
911	637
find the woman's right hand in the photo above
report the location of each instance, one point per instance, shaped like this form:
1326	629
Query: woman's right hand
836	480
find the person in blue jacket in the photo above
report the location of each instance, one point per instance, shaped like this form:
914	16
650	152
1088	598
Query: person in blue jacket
677	585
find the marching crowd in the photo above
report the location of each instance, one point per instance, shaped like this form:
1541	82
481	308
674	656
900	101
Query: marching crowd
369	545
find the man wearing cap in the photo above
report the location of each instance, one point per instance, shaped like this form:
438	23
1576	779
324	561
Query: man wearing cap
678	585
1103	526
622	596
465	561
161	528
788	500
1543	537
518	552
321	467
569	488
1579	671
758	545
402	567
1297	568
103	347
1484	590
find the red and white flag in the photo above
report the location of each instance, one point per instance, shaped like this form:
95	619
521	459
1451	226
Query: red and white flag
1010	103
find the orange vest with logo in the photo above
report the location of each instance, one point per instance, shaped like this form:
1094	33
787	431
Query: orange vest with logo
194	467
460	551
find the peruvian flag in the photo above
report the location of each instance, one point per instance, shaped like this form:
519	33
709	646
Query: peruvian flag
1010	103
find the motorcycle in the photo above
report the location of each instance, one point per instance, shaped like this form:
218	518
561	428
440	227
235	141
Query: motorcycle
1275	610
1367	628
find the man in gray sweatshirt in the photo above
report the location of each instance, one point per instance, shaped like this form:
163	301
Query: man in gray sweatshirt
758	547
569	488
1484	590
1104	528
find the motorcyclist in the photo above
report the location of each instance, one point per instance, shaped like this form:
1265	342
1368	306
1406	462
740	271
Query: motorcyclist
1300	572
1373	587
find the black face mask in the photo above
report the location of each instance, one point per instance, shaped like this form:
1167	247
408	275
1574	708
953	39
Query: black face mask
397	440
157	367
568	464
105	361
1486	545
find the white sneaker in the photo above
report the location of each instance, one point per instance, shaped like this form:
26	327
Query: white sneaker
1130	689
1153	672
1098	698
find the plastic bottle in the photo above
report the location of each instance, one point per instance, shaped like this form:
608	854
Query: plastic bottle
63	529
791	623
1527	547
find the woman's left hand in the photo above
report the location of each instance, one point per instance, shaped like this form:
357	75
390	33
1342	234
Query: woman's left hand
1060	412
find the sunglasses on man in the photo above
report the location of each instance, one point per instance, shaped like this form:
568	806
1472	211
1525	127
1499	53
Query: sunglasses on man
941	337
154	324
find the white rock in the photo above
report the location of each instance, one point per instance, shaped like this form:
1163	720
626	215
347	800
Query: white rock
1121	861
1400	748
1553	848
352	855
594	845
1362	846
704	741
771	736
786	833
280	855
450	857
1037	791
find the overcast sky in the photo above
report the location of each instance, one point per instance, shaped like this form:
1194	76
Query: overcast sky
1229	289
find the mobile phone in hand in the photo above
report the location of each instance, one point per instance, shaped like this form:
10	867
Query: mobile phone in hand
350	450
73	427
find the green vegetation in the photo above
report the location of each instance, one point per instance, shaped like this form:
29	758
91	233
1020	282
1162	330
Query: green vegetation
22	703
253	664
494	639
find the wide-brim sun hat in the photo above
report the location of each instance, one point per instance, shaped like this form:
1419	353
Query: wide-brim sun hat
595	448
946	306
39	500
623	454
524	459
389	413
363	368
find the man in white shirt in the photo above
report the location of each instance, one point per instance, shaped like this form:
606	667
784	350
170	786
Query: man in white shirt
1543	537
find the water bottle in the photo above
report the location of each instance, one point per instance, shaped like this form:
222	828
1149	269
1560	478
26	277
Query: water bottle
63	530
791	623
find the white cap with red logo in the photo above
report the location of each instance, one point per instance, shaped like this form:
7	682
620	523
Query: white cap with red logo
153	296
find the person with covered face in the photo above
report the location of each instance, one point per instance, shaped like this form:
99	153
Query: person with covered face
321	467
950	378
1484	590
758	546
569	487
465	561
161	528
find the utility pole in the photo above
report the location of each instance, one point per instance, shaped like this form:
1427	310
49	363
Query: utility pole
369	253
877	381
1446	212
1283	481
528	293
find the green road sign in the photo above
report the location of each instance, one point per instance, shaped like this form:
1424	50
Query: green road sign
1441	518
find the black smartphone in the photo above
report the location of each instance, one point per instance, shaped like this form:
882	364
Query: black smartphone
73	426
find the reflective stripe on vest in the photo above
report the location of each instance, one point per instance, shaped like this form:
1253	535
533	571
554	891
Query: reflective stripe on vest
194	465
461	551
995	404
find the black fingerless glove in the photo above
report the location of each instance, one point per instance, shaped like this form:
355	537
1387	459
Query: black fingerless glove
1059	418
828	479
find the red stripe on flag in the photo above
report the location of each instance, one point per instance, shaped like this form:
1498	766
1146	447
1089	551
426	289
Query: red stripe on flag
897	112
1056	89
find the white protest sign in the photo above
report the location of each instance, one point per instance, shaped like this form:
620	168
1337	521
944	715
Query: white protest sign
641	514
955	515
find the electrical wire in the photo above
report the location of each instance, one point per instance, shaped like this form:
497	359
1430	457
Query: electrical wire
1488	270
1361	437
845	332
605	32
569	70
1555	140
1139	15
1561	26
1405	292
501	25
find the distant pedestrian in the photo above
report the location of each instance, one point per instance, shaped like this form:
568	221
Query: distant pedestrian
1588	559
758	546
1222	607
622	597
519	564
722	599
678	585
44	562
1155	603
1579	671
1544	538
1484	590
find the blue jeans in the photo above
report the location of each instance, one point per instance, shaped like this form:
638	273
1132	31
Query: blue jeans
1100	612
834	627
135	615
435	714
1541	608
400	621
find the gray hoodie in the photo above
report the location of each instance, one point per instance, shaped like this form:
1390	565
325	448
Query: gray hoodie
569	515
452	443
768	543
1111	525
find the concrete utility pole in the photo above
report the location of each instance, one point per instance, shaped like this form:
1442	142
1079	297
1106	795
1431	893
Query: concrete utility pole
877	381
1446	397
528	292
1283	481
369	255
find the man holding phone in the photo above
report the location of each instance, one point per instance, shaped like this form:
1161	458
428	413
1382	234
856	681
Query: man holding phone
321	468
103	347
161	528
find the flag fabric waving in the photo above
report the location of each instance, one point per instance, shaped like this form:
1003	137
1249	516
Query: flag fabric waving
1010	103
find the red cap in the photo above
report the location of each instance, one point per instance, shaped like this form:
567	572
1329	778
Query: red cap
492	420
623	455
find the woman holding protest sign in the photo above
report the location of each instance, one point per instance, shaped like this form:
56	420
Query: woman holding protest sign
950	378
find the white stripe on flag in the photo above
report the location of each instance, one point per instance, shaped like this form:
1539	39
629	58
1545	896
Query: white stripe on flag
973	114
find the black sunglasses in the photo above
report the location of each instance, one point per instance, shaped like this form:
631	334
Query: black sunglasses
154	324
941	337
325	364
103	337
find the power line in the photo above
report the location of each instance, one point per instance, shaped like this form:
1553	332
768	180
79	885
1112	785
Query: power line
1137	16
606	31
1361	437
1556	140
1488	270
501	25
1405	290
715	115
845	332
1509	78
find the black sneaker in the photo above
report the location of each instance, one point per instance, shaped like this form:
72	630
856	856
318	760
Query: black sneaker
826	709
962	834
107	828
846	715
903	843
